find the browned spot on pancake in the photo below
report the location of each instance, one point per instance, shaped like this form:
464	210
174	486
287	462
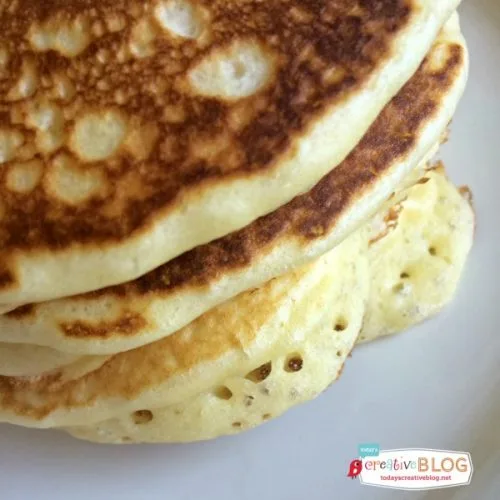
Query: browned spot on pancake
446	135
466	192
22	312
424	180
6	278
391	220
353	36
128	324
437	167
391	137
468	195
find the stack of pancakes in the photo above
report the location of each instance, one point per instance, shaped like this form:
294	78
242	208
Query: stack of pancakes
207	203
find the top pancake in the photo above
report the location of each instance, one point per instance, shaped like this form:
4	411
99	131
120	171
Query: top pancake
166	299
133	131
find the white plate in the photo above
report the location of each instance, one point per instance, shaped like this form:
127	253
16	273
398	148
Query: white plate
434	387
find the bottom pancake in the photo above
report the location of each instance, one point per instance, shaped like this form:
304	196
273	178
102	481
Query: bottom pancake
417	252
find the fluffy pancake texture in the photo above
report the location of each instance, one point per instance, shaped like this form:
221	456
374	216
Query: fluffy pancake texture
134	131
417	255
232	340
163	301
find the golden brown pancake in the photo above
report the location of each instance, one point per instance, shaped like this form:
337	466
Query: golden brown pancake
133	131
168	298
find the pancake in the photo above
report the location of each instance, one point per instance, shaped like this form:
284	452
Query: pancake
433	212
416	262
163	301
232	340
132	132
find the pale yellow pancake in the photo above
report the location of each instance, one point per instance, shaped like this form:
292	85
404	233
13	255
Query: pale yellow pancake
417	255
398	240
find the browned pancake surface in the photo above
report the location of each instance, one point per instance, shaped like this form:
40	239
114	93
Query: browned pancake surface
135	77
